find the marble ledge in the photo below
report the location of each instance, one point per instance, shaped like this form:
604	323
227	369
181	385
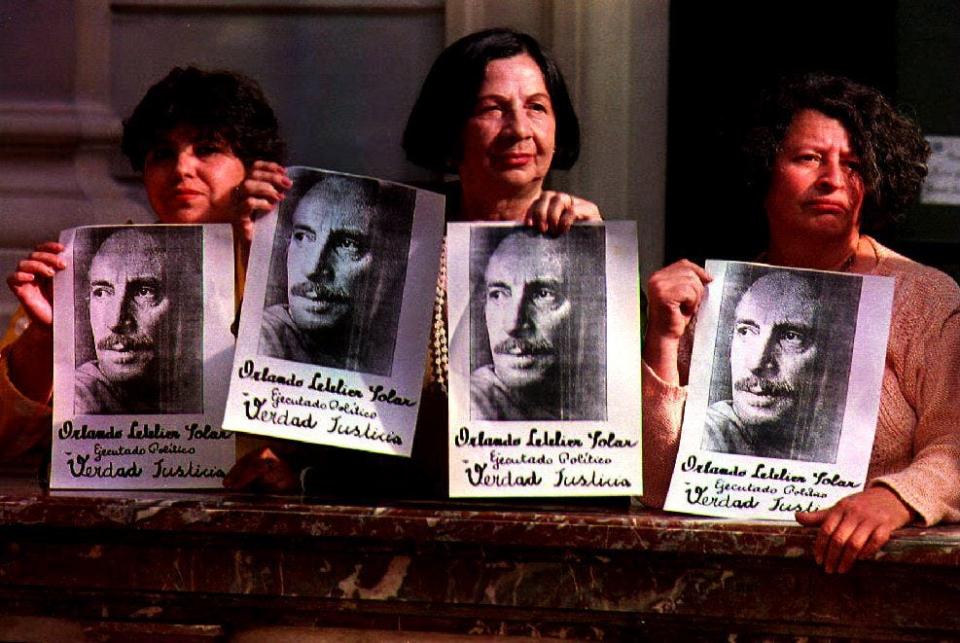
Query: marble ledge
551	525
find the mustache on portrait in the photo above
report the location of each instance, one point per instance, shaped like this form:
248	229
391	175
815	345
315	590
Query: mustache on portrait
537	346
319	291
131	342
766	386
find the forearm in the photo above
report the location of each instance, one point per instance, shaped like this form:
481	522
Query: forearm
930	485
660	355
663	405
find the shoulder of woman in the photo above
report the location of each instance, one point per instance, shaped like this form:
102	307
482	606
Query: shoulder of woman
919	286
926	317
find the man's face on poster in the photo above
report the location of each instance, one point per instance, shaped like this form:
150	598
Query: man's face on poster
528	309
328	260
129	304
774	348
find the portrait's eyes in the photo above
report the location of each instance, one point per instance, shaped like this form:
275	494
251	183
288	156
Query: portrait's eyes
100	292
301	236
349	244
497	293
546	297
147	293
793	339
745	330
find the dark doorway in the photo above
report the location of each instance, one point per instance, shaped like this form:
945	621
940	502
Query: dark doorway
721	55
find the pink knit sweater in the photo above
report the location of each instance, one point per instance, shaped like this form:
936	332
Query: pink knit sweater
916	452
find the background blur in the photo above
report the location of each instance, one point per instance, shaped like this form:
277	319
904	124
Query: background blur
661	89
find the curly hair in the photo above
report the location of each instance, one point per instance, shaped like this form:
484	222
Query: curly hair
433	137
219	105
892	150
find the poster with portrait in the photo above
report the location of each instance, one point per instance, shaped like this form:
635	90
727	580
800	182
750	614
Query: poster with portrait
142	346
784	391
336	317
544	361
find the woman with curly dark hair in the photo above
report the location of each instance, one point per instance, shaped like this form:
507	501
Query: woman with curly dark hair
829	160
209	148
891	153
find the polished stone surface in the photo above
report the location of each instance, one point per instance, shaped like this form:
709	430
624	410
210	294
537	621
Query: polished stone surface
232	562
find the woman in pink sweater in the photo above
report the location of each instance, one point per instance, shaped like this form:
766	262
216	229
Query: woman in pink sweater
830	158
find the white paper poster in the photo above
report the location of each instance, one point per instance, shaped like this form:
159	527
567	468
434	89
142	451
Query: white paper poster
942	185
336	316
544	361
142	348
784	391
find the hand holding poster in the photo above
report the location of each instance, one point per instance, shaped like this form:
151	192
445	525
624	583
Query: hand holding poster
142	340
784	391
333	331
544	361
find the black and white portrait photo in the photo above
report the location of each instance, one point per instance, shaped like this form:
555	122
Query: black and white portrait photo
781	363
342	276
538	320
337	273
139	320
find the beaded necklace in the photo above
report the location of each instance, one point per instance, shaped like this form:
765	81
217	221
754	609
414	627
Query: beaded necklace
439	351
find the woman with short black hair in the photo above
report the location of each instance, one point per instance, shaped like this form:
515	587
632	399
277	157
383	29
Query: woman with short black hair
209	147
494	109
448	98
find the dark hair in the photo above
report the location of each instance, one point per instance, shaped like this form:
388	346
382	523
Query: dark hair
893	153
433	137
220	105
